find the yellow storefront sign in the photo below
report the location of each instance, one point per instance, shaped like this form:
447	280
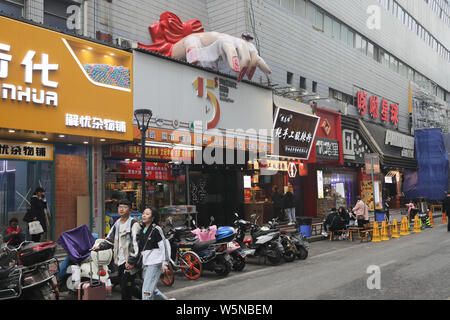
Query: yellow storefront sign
51	82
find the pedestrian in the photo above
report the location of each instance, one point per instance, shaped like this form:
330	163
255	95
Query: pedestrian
155	251
362	212
13	236
289	205
386	207
277	199
446	208
38	205
328	221
123	238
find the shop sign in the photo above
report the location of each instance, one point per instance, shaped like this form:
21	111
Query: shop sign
25	151
400	140
378	109
153	171
372	162
327	149
46	75
354	146
292	170
276	165
131	151
295	133
320	194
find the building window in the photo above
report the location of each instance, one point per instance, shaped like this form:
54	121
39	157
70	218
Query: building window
288	4
314	87
311	12
289	77
370	50
55	13
351	39
336	30
319	20
300	8
328	26
303	83
393	64
12	7
344	33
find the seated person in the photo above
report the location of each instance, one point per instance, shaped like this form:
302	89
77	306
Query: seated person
328	221
13	236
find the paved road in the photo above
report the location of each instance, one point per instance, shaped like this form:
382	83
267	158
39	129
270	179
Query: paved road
412	267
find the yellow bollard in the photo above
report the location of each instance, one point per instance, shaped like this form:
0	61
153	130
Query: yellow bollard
384	233
431	218
417	225
444	218
376	233
395	233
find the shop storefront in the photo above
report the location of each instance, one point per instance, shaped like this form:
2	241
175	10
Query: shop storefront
219	123
64	97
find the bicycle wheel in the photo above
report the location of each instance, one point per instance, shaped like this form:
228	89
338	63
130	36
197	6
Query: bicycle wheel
168	277
191	265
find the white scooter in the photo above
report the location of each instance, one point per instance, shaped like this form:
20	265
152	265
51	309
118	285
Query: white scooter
80	273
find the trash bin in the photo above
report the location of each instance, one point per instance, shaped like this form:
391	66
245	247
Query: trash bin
305	226
380	215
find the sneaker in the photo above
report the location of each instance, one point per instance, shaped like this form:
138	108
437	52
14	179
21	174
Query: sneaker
325	234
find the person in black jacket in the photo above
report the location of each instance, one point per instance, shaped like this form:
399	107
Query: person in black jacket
289	204
37	212
446	208
277	199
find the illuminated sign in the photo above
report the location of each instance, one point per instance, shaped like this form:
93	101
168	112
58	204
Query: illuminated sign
25	151
377	109
74	120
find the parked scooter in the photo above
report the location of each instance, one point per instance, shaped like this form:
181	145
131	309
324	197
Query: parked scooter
237	255
294	244
28	272
77	243
264	243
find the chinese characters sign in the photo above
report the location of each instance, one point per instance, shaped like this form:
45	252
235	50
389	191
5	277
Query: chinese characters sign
377	109
327	149
295	133
74	120
134	152
153	171
25	151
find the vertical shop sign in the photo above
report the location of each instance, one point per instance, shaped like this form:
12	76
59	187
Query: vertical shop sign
320	194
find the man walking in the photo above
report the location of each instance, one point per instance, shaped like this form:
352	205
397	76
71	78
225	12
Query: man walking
289	204
277	199
123	238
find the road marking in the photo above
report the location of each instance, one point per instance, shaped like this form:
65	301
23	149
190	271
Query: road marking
387	263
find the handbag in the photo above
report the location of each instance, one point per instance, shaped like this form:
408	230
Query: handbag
139	263
35	227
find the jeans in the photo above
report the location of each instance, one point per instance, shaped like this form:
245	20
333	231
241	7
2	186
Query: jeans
290	212
151	276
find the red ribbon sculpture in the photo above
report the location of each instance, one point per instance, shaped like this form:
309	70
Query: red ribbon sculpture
168	31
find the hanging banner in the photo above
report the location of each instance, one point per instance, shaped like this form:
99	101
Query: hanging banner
132	151
153	171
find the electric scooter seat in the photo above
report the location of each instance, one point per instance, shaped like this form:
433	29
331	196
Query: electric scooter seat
201	246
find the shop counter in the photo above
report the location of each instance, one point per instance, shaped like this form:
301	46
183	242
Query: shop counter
262	209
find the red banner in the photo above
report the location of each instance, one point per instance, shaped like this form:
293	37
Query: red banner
154	171
131	151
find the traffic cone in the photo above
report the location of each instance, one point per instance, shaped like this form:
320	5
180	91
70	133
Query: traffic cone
407	227
395	233
444	218
417	225
384	233
376	233
431	219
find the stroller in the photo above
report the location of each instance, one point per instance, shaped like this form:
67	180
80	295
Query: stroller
76	268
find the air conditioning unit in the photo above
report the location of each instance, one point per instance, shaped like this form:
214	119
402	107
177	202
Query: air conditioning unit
126	43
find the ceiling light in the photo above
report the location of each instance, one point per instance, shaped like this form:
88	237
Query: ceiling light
102	140
86	142
45	139
61	136
89	48
112	54
11	131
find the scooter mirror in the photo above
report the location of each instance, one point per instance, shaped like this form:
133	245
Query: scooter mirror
211	218
236	215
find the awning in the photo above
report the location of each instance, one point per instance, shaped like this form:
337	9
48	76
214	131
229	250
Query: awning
390	156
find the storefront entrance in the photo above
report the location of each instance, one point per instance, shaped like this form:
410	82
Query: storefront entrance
18	181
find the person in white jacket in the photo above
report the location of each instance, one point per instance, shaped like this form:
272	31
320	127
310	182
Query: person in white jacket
155	252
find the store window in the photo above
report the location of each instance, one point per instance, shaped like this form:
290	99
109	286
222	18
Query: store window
14	8
336	189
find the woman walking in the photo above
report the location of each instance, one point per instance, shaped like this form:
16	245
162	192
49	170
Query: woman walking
155	252
38	206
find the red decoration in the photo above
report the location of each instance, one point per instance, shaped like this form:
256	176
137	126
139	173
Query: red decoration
154	171
374	108
394	114
384	110
168	31
362	102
